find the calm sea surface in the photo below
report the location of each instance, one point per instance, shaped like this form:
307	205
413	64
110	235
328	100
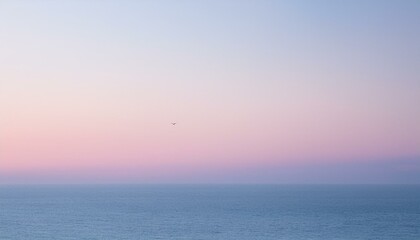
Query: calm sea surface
210	212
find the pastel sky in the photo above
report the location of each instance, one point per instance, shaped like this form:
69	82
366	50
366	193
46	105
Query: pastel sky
262	91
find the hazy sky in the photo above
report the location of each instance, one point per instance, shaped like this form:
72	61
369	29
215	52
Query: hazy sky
263	91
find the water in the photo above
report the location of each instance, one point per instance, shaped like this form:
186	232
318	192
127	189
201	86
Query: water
210	212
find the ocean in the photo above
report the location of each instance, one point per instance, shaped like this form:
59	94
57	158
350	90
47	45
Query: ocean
225	212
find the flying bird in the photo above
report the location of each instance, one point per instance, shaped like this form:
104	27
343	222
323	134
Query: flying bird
174	123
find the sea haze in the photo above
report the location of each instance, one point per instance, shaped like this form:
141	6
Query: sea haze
210	212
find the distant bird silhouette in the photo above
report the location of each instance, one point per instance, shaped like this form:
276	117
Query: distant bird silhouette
173	124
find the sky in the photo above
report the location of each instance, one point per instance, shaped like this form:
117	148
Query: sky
262	91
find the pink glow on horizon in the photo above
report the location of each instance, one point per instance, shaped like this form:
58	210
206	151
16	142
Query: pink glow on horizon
291	86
